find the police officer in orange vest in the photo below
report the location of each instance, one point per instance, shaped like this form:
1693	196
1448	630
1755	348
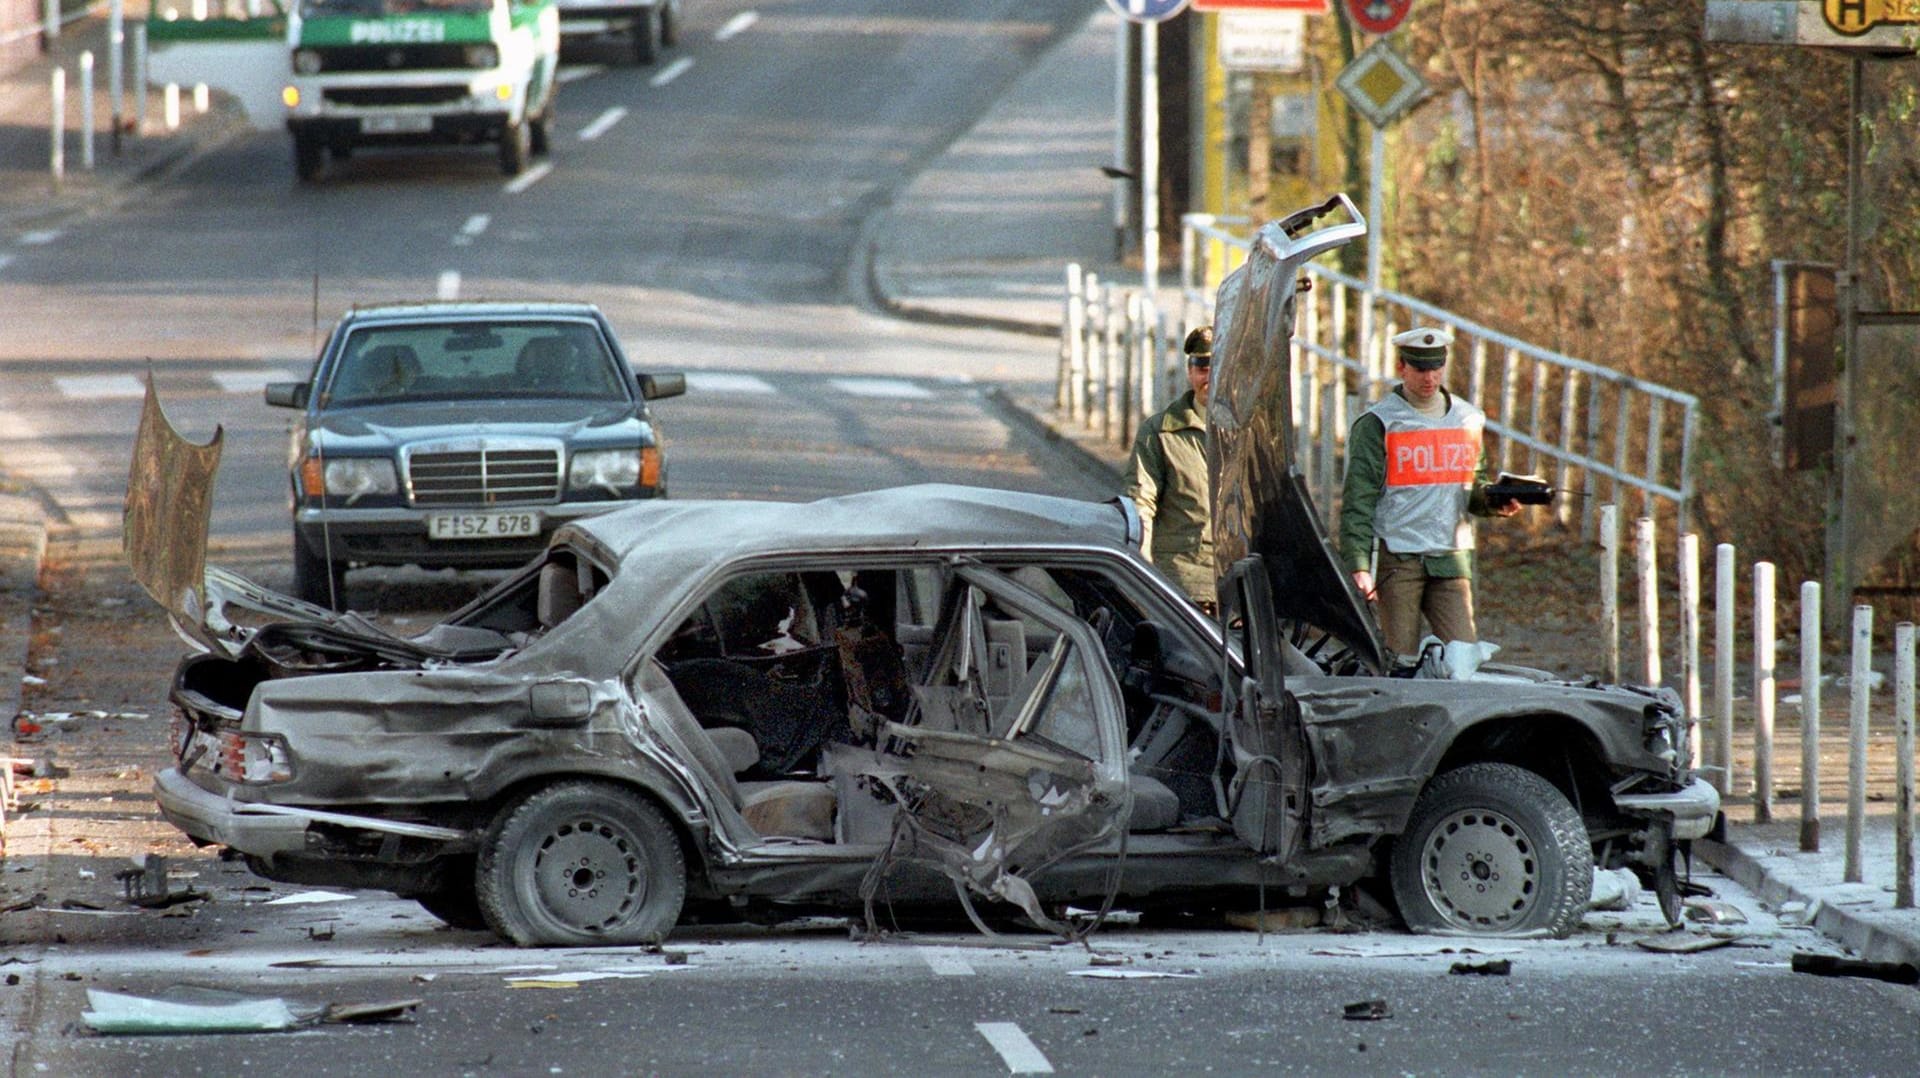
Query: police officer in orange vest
1415	471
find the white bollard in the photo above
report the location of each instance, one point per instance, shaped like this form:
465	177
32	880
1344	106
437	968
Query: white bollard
1610	589
1858	699
170	107
1073	339
1689	573
1645	568
116	69
1810	716
86	110
50	21
57	161
1723	665
1903	767
140	87
1764	685
201	100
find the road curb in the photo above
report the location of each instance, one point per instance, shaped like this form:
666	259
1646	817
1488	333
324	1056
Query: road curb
23	544
1858	934
885	299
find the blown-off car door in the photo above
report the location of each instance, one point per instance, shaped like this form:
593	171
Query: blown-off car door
1267	796
996	791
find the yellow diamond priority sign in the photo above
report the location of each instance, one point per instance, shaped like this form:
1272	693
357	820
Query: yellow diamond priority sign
1381	84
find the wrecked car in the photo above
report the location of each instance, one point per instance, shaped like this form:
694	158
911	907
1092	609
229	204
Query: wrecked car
691	709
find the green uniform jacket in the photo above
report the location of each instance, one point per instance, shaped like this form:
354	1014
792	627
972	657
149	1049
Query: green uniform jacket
1367	476
1168	482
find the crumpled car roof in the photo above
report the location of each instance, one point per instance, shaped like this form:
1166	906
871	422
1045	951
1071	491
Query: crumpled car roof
670	548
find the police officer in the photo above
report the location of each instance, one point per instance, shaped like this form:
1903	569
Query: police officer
1415	471
1168	480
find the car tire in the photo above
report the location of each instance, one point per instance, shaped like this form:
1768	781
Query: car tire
582	863
458	906
646	47
317	580
1493	849
516	146
309	157
669	25
538	133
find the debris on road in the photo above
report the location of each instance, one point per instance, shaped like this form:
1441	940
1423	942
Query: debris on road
1826	965
394	1010
1710	912
146	884
1492	967
1111	974
113	1012
305	898
1286	919
1367	1010
1681	943
1614	890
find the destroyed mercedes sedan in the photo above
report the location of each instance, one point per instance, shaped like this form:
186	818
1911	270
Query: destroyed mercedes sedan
747	709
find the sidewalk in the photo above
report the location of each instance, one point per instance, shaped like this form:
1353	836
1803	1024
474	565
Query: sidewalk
981	237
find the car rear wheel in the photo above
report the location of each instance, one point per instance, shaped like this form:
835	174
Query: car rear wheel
1493	849
309	157
582	863
317	580
646	46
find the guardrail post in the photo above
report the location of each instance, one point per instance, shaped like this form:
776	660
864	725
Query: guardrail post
1645	568
57	151
1903	766
50	22
1723	665
1810	716
1117	362
1689	573
116	70
1859	696
1072	315
140	87
1764	686
1563	478
1610	589
170	107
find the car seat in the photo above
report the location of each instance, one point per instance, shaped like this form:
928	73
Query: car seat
546	364
387	370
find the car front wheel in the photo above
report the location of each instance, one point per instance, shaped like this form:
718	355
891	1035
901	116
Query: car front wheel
316	579
516	146
582	863
1493	849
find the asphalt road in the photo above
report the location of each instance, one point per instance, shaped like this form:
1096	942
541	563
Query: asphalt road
716	211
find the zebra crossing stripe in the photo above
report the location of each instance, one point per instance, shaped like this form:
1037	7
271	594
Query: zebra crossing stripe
890	388
726	382
100	386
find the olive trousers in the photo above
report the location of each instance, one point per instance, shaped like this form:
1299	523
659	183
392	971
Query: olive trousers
1405	592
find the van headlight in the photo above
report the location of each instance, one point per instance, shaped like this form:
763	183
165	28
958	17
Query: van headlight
482	56
306	61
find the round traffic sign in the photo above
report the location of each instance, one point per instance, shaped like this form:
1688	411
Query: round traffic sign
1151	10
1378	16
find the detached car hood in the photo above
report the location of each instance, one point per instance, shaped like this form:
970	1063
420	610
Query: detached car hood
1260	502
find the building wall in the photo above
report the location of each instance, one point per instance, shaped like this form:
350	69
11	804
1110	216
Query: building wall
18	41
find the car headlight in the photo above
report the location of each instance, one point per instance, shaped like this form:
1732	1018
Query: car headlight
306	61
348	477
482	56
612	470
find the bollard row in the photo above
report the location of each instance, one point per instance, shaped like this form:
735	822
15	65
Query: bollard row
1719	760
1118	360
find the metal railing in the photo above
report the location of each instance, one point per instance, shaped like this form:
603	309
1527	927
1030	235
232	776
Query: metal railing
1585	428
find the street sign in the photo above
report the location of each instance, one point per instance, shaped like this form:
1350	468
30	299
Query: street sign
1378	16
1304	7
1381	84
1263	40
1148	10
1877	28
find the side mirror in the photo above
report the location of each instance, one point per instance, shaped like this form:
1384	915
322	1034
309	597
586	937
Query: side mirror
288	394
655	386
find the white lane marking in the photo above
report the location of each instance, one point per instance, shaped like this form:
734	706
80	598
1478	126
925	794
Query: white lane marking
721	382
1016	1051
602	123
945	963
672	71
250	381
529	178
39	239
736	24
882	387
573	74
476	224
100	386
449	284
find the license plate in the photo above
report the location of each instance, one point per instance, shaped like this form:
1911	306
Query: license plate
403	124
482	525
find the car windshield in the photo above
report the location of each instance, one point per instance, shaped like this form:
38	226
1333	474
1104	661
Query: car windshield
310	9
473	360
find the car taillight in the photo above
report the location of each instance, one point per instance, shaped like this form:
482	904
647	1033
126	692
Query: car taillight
253	758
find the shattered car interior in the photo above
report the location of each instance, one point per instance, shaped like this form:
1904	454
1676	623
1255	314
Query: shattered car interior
901	698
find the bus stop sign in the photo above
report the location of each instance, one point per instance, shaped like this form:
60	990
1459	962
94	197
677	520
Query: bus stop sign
1378	16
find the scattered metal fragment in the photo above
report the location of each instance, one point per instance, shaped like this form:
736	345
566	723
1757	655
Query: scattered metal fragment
113	1012
1492	967
1826	965
1102	958
396	1010
1134	974
1289	918
1681	943
145	884
1717	913
1367	1010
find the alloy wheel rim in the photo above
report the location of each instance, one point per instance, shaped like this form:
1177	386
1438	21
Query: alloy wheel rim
588	874
1480	870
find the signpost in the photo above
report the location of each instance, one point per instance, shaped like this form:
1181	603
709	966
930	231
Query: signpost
1149	12
1381	86
1263	41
